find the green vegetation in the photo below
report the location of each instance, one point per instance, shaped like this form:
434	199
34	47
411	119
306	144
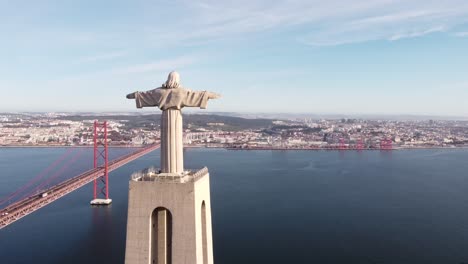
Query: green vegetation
192	121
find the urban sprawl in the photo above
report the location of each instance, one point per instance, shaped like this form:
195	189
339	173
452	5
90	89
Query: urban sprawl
51	129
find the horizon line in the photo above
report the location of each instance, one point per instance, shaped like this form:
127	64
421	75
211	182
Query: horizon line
335	115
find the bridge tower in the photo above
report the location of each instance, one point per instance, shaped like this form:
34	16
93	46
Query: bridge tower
101	160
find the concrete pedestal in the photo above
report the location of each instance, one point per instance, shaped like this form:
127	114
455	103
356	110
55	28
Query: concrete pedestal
169	219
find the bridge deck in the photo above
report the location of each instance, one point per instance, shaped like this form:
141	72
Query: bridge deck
35	202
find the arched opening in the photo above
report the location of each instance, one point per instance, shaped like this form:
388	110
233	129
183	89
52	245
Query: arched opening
204	237
161	236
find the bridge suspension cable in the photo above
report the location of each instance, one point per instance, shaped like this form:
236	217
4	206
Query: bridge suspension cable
58	173
38	177
28	205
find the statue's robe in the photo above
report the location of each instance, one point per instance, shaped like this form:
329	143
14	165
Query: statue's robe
171	100
175	98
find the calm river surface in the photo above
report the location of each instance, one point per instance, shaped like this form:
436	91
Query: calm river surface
268	207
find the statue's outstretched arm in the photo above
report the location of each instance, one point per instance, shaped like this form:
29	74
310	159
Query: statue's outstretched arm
145	99
212	95
199	98
131	95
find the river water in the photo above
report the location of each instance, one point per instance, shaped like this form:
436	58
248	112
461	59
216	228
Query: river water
407	206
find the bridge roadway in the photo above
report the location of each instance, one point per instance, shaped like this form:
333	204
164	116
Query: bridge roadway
35	202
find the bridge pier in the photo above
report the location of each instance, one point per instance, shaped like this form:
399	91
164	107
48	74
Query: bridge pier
101	201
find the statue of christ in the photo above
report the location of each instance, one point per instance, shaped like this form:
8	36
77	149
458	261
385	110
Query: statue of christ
171	98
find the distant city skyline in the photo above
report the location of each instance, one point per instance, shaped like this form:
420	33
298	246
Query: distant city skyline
386	57
255	115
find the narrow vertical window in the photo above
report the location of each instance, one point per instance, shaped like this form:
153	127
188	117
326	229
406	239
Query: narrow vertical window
161	236
204	236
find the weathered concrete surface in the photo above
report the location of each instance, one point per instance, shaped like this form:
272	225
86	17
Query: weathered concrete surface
184	202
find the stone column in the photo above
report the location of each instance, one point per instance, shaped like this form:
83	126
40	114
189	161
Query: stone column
172	146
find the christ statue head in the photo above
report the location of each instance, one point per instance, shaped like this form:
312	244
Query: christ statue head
173	81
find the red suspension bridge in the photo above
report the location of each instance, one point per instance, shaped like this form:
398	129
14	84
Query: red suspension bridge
42	196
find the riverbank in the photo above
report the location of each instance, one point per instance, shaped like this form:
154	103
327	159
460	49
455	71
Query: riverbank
325	149
62	146
249	148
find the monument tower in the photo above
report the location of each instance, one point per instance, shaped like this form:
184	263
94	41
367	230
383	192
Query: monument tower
169	208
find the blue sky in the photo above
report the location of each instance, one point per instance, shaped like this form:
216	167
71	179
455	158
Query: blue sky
348	57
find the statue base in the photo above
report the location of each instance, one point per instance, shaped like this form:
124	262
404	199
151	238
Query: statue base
169	218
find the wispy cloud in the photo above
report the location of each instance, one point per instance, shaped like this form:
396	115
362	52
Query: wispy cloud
417	33
389	25
396	17
331	22
100	57
313	22
129	72
161	65
461	34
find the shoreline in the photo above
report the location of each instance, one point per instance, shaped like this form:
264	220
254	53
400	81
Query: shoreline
327	149
253	148
62	146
